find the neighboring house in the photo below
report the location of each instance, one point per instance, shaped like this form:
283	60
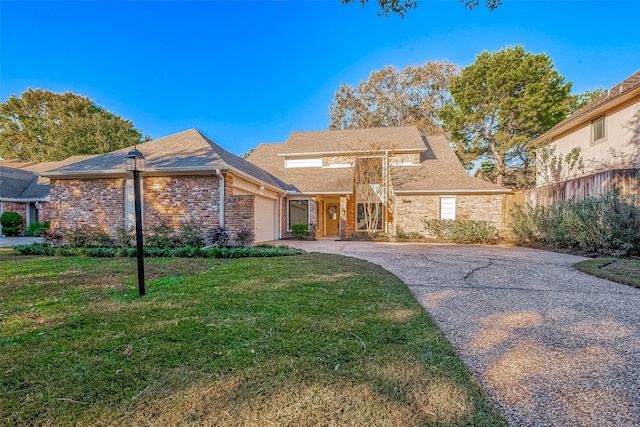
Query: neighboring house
24	192
420	178
603	135
188	177
23	189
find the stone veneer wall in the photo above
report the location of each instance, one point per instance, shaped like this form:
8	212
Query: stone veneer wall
95	202
411	211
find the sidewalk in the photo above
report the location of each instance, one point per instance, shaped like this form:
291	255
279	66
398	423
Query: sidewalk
15	241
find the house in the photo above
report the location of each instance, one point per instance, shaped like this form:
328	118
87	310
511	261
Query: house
603	135
309	179
416	178
188	177
23	189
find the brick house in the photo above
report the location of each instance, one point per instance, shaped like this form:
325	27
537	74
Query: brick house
309	179
25	190
187	177
420	178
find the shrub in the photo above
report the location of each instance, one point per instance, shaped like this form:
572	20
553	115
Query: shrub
245	237
412	235
218	236
53	237
11	223
160	235
607	224
462	231
124	237
36	229
190	234
300	230
86	236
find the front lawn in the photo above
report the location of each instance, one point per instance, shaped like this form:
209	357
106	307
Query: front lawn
620	270
301	340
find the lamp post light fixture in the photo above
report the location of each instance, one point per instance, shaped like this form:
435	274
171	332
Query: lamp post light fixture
136	164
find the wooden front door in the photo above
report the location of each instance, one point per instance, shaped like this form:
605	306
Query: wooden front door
333	218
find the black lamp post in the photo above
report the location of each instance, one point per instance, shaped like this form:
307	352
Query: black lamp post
136	164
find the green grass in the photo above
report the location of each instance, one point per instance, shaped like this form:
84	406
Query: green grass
626	271
305	340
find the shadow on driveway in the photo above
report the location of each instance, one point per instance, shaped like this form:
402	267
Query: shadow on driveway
551	345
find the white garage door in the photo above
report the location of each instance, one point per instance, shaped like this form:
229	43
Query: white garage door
265	223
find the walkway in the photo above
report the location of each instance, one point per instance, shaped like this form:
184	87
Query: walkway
15	241
552	346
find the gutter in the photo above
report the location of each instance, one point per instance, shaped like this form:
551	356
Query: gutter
32	200
221	190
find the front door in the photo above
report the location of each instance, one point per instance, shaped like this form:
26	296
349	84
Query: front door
332	219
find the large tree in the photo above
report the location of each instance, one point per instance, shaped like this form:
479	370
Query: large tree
502	102
391	97
401	7
40	126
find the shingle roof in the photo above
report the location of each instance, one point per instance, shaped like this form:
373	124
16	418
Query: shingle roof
184	151
349	140
440	170
19	184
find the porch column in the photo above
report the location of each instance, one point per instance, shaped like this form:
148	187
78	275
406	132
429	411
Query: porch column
342	226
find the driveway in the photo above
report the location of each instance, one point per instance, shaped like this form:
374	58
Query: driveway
552	346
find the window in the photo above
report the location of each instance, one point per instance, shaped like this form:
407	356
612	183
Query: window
361	218
303	163
298	212
448	207
597	129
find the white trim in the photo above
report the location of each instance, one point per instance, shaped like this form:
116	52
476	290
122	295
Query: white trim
314	162
353	152
496	191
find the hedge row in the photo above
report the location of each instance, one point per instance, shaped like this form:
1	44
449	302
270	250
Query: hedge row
184	252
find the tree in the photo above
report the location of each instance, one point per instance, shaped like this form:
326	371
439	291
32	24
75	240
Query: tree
502	102
401	7
44	126
390	97
582	99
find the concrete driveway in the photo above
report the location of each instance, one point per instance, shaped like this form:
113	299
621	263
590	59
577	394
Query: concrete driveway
551	346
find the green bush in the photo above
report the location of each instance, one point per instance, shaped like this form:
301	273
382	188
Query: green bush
190	234
185	252
160	235
86	236
11	223
300	230
412	235
462	231
607	224
36	229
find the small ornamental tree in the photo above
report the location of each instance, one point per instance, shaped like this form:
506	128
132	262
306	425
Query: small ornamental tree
11	223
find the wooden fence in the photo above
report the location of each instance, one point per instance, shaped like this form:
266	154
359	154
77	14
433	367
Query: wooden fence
625	180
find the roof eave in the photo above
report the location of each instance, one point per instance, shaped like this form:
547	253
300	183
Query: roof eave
351	152
456	191
588	115
26	200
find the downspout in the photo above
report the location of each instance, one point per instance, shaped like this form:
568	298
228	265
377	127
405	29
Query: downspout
221	190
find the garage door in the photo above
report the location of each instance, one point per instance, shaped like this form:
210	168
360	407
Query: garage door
265	223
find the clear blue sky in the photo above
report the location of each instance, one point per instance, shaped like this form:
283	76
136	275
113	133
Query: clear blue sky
250	72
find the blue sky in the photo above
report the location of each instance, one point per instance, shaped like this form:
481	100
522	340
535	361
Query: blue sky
250	72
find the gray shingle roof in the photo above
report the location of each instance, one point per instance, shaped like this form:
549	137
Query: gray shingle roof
184	151
19	184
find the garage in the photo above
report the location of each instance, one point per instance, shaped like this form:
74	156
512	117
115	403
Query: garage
265	219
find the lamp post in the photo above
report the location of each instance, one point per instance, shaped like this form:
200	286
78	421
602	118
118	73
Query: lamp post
136	164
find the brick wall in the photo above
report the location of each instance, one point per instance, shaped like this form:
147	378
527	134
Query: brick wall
95	202
174	200
239	213
411	211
